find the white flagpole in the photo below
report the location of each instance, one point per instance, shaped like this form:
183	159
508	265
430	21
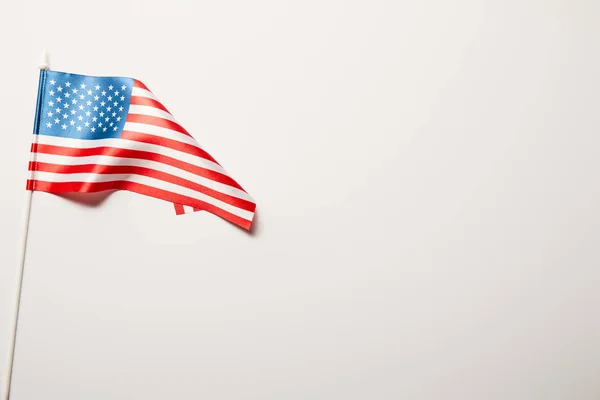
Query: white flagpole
44	65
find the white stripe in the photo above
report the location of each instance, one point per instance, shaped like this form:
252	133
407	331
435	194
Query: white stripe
188	209
148	110
160	131
143	93
144	180
131	145
119	161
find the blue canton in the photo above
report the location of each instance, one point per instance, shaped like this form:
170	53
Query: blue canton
84	107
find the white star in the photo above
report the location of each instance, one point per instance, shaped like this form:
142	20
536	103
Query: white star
110	87
111	124
94	119
97	87
68	84
103	93
118	119
59	89
108	108
78	128
89	103
106	119
81	107
65	116
101	113
52	82
64	126
99	123
56	120
115	103
90	92
95	108
114	114
48	124
115	128
73	112
123	87
117	93
72	122
51	103
87	113
74	101
120	108
96	98
75	90
58	99
66	105
50	114
57	110
80	118
93	129
52	93
82	86
109	98
102	103
67	94
104	129
86	124
122	98
81	96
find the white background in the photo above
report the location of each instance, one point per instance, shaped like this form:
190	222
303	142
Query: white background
426	174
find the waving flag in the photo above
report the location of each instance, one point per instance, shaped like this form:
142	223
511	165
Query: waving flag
110	133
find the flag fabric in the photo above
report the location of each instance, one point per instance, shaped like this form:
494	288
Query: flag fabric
111	133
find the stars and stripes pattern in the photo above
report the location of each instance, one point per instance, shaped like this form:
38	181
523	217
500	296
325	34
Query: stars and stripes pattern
101	133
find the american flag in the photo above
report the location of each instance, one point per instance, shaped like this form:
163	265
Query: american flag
111	133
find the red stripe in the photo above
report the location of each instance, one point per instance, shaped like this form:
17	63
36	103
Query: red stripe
129	169
139	84
178	209
142	155
166	142
145	101
157	121
89	187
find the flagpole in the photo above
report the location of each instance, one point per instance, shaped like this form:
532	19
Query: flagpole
44	65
